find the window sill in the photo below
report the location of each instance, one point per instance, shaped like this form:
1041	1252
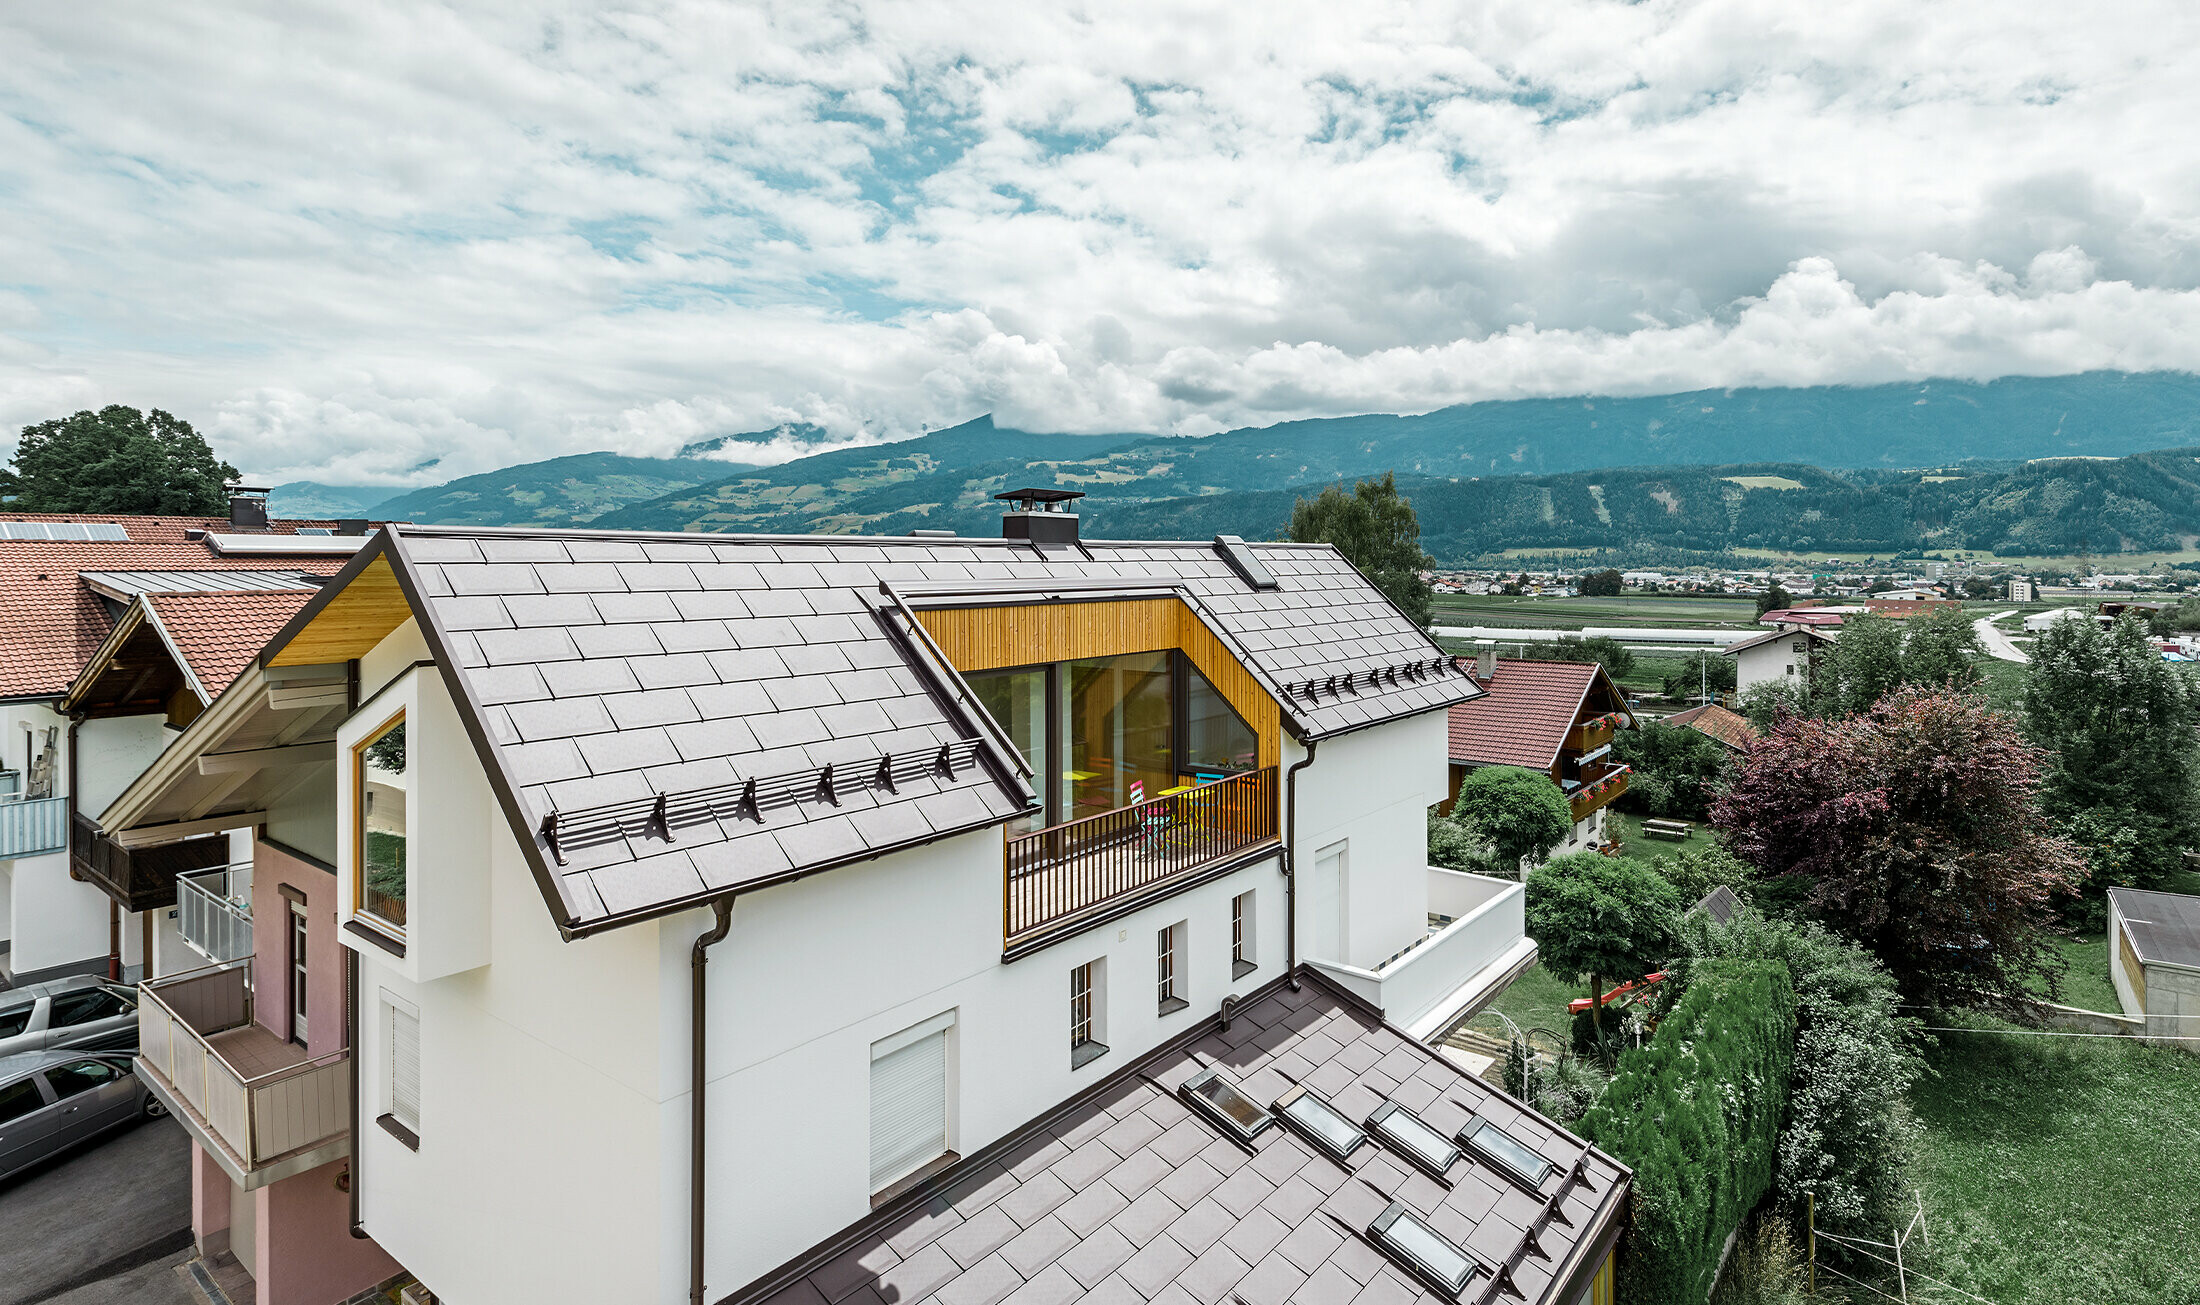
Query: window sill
900	1186
1174	1004
1084	1053
393	946
399	1131
1239	969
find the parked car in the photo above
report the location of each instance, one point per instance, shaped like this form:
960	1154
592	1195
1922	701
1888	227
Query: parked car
53	1100
82	1013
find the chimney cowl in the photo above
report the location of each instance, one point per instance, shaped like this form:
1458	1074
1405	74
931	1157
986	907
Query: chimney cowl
1040	515
247	507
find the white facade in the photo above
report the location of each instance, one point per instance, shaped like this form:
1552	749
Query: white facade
553	1108
1785	660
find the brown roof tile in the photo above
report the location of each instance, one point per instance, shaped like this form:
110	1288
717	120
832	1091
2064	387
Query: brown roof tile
1523	718
218	635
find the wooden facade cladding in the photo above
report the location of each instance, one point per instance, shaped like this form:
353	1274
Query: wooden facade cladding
1028	634
2134	970
355	621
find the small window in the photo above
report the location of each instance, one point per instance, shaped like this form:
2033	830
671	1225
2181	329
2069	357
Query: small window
1423	1145
1223	1101
1428	1253
909	1100
1505	1153
19	1098
76	1008
1087	1013
13	1022
1168	967
380	796
1241	937
1313	1118
404	1081
80	1076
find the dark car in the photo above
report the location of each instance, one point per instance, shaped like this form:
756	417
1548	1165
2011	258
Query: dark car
53	1100
82	1013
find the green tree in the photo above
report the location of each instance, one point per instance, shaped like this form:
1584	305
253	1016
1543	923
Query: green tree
1768	702
118	460
1774	599
1596	916
1683	765
1519	813
1863	666
1602	584
1374	527
1704	672
1940	651
2118	723
1602	649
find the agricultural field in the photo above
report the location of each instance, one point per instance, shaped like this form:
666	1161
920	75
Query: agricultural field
1704	610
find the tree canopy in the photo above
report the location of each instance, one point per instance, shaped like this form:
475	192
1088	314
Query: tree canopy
1601	917
1603	584
1374	527
118	460
2118	723
1917	828
1774	599
1863	666
1676	769
1518	812
1940	649
1603	649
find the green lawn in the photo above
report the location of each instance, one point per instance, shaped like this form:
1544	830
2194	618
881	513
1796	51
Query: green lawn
2060	1169
1573	613
1627	828
1537	1000
2086	984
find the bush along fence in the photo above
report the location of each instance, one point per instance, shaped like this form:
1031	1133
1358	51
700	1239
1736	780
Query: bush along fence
1696	1114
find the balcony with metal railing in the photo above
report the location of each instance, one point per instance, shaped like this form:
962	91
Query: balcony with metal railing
214	911
262	1108
32	826
1062	878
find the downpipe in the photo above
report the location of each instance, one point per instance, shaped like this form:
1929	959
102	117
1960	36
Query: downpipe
1291	863
351	1043
699	958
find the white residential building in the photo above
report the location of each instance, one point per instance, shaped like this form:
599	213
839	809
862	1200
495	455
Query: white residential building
1782	656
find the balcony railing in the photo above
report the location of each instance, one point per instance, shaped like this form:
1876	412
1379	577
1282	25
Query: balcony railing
1458	967
141	879
1600	784
30	826
1057	875
214	911
240	1087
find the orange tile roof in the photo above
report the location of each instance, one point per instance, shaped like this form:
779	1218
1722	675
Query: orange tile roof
1728	727
1523	719
218	634
51	622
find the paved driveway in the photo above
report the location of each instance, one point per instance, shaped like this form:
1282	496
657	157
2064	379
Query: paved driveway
99	1212
1996	643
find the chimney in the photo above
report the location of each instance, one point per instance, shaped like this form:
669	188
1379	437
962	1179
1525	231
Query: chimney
1040	516
247	507
1485	666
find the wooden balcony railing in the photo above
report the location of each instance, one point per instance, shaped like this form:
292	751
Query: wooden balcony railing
1590	736
1601	782
1056	875
143	879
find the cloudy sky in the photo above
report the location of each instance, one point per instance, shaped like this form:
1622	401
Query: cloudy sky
346	240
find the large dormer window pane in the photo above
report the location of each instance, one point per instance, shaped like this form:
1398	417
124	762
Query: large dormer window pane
381	797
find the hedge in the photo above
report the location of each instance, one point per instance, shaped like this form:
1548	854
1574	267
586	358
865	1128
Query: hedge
1696	1114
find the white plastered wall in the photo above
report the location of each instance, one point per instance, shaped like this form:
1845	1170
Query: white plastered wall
1371	791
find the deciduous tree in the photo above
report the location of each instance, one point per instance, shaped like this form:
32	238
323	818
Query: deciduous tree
1374	527
1940	651
1864	664
1774	599
1599	917
118	460
1518	812
1917	828
1603	584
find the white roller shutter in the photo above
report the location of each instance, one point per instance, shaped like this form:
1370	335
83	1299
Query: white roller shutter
405	1067
908	1101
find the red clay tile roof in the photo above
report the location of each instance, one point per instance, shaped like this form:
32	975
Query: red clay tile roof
51	623
218	635
1730	728
1524	717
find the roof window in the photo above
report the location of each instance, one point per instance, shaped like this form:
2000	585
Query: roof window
1423	1145
1214	1095
1428	1253
1249	568
1505	1153
1318	1122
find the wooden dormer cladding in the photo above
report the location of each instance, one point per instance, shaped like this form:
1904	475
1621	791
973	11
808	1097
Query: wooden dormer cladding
992	638
358	618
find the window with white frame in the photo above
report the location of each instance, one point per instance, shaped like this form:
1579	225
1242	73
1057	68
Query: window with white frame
909	1100
401	1097
1241	936
1169	968
1088	1009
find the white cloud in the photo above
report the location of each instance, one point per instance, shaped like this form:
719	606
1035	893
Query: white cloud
405	242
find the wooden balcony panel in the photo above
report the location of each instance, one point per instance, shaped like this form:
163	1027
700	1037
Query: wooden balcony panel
1590	798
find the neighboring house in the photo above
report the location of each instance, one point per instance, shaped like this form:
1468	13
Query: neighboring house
71	903
1784	656
725	911
1556	717
1730	728
2154	945
2020	590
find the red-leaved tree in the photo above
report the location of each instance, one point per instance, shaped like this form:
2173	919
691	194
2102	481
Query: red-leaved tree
1916	826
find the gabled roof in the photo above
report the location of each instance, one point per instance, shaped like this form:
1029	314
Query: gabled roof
1130	1195
728	674
1523	717
217	635
1773	636
1728	727
54	621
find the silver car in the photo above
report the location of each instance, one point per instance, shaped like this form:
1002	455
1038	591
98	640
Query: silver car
52	1100
83	1013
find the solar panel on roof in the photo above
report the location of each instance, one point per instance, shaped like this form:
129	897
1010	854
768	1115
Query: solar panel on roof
315	530
70	530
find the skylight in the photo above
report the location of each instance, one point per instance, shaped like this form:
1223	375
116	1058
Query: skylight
1224	1102
1316	1120
1506	1154
1422	1249
1404	1130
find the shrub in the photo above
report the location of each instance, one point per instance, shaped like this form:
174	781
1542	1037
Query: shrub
1696	872
1518	812
1696	1114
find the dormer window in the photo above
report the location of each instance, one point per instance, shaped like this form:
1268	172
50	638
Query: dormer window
379	796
